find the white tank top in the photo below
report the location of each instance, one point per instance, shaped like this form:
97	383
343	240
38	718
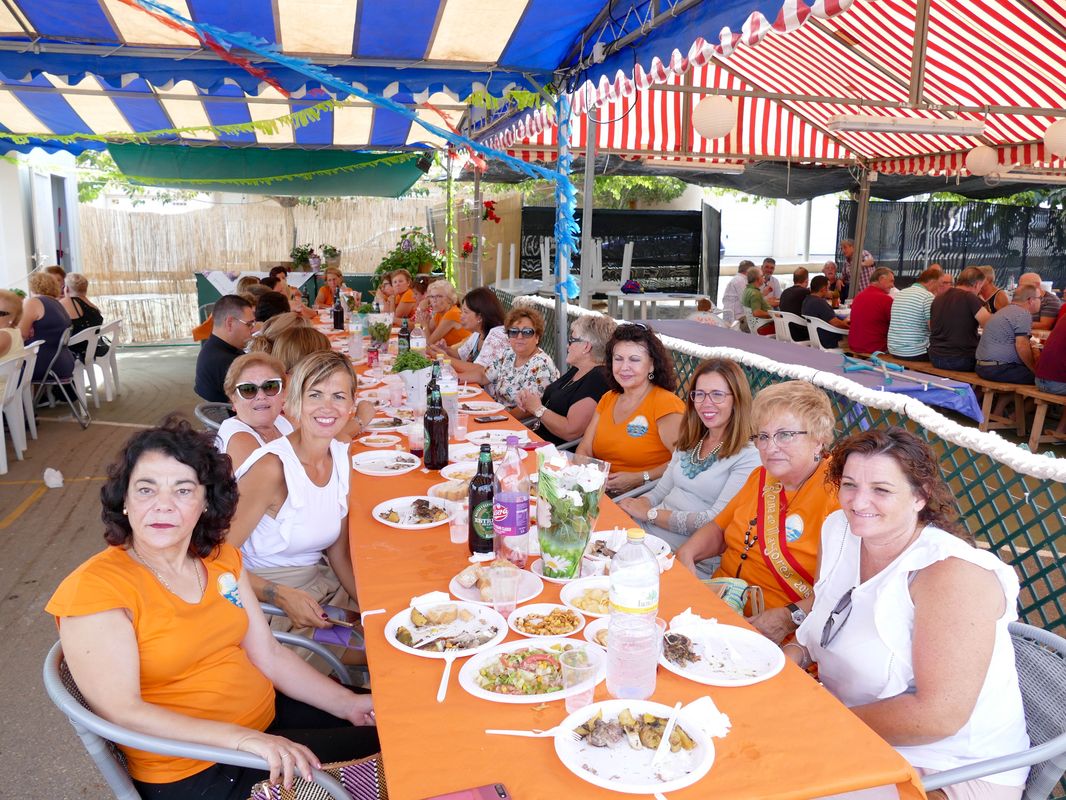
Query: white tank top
310	519
870	657
233	426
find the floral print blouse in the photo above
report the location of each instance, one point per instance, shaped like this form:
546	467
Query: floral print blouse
509	380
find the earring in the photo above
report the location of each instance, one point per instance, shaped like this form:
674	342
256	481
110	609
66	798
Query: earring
125	512
818	457
651	376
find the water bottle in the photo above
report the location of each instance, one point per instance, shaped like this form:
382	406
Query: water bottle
510	507
633	639
449	392
418	339
355	341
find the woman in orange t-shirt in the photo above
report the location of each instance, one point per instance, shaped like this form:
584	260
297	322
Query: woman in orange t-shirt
444	325
327	293
404	296
636	424
163	634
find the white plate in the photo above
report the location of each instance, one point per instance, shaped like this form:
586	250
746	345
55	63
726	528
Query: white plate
467	453
621	768
459	472
403	412
468	674
434	491
616	537
486	618
496	436
384	425
594	628
480	407
379	464
537	568
466	392
402	505
529	587
379	440
367	382
544	609
759	658
576	588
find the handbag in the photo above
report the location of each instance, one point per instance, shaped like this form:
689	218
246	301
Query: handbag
362	778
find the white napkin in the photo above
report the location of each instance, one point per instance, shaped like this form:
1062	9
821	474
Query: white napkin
706	714
478	558
430	599
690	624
53	478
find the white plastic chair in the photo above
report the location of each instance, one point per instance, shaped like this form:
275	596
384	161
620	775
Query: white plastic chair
26	385
754	322
598	284
11	408
52	380
814	325
783	320
109	363
84	371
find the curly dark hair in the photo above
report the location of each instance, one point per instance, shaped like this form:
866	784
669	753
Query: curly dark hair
919	465
214	470
663	374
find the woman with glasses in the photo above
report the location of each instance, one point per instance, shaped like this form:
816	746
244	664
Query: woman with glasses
254	384
522	365
564	410
636	423
768	534
909	624
327	293
443	322
713	459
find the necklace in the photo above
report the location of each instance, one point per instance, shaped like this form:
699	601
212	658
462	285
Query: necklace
749	542
692	465
162	580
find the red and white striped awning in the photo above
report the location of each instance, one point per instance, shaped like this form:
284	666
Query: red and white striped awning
1000	61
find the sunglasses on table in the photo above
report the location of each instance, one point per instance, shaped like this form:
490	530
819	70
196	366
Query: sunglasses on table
525	333
781	438
833	625
716	396
270	388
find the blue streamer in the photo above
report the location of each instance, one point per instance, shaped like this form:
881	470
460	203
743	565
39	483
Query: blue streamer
565	204
565	223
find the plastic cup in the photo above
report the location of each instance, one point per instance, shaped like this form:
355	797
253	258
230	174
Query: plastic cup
416	435
578	671
462	426
504	583
396	394
458	529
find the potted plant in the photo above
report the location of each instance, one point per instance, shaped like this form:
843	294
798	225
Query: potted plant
332	255
301	257
414	252
415	369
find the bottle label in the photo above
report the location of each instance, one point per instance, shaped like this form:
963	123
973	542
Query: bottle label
634	599
481	517
401	346
510	516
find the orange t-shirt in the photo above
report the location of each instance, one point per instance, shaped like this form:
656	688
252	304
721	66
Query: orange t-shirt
324	296
633	445
804	514
408	297
456	335
191	659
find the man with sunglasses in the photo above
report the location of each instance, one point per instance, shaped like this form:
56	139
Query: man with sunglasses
234	318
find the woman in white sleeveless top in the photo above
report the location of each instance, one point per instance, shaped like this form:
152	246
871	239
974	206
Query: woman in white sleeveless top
253	384
909	624
291	520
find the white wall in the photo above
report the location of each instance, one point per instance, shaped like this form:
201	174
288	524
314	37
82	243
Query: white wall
14	231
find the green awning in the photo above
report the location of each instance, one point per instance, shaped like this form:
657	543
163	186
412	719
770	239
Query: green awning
329	173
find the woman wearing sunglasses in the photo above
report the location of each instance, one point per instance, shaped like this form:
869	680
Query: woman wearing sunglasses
254	384
713	459
522	365
909	624
768	534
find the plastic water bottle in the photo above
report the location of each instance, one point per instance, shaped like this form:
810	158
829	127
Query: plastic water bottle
355	341
418	339
449	393
510	507
632	634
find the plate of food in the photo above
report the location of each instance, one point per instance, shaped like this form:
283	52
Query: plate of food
473	584
455	491
480	407
366	382
589	596
537	568
525	671
415	513
385	424
459	472
596	631
545	619
708	652
386	463
467	453
612	744
604	544
450	627
404	413
380	440
497	436
466	391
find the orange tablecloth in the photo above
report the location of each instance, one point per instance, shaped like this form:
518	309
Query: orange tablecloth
790	737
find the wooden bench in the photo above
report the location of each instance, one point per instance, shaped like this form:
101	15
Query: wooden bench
1044	400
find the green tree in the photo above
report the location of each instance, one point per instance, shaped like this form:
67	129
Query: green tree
609	191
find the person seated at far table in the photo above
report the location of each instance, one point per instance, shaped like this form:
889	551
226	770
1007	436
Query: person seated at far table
734	291
993	297
1045	317
445	323
43	317
328	291
255	386
816	305
704	314
871	314
636	424
233	321
296	305
482	314
384	296
163	634
404	296
909	626
954	319
713	459
1051	366
83	313
754	301
908	329
271	305
792	302
768	534
771	286
838	289
563	411
263	339
1005	353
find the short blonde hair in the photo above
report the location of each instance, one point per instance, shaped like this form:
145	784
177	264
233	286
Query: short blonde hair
12	303
77	283
333	271
45	283
807	402
263	342
310	372
596	330
241	363
296	343
449	290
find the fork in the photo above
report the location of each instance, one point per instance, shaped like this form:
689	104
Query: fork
536	733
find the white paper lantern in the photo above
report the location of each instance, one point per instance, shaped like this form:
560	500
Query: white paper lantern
982	160
715	117
1055	139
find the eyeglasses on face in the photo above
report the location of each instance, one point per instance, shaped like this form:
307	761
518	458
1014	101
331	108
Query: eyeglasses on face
716	396
270	388
572	339
833	625
248	322
781	438
525	333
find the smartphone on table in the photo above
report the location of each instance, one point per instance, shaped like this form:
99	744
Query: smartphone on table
490	791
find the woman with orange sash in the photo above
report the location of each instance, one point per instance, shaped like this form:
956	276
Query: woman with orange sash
769	533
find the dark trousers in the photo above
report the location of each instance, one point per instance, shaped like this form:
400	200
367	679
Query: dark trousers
1006	373
957	363
329	738
919	357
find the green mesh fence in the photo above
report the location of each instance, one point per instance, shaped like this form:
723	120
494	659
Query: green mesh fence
1019	517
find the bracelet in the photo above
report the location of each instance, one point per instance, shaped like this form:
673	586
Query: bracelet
807	660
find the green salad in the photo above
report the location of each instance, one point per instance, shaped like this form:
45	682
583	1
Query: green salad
529	670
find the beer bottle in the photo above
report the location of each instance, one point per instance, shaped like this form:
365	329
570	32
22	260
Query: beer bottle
435	447
338	313
481	494
403	338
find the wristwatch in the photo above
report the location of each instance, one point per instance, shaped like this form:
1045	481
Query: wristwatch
646	476
797	613
540	412
653	513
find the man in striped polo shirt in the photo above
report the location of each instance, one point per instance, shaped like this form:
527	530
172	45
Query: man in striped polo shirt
908	329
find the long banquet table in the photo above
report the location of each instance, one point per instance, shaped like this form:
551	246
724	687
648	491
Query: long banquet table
790	738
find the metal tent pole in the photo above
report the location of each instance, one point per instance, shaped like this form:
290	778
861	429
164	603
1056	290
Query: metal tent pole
862	213
591	132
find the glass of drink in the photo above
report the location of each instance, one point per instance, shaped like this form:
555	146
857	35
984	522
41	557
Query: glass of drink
633	658
504	583
462	426
416	435
458	526
396	394
578	671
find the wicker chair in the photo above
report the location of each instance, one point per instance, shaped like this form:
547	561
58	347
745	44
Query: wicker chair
212	415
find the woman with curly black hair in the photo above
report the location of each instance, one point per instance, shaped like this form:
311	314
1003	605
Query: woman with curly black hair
163	634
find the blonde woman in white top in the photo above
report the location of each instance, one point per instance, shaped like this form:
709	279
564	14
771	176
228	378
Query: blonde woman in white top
255	386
